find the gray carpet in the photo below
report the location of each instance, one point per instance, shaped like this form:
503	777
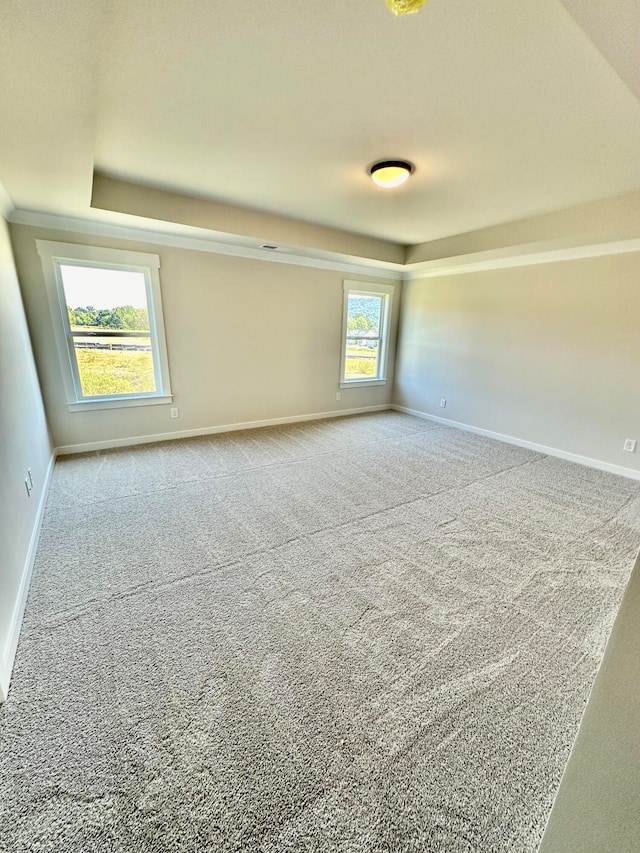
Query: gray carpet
359	635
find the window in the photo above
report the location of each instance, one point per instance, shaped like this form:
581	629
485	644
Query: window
365	333
107	317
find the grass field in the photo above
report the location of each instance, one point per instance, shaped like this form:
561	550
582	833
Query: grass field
107	372
360	363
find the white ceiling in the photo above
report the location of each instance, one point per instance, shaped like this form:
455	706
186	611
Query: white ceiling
506	107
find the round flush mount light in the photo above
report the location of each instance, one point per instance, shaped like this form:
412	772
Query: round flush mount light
390	173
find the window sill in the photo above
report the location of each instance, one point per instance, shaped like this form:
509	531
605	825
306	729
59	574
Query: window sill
117	403
356	383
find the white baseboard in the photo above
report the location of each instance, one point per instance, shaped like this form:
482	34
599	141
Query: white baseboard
11	644
191	433
631	473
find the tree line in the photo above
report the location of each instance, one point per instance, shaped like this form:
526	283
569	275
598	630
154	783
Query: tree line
123	317
364	313
360	323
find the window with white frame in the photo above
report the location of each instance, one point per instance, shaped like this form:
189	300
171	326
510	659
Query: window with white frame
107	317
365	330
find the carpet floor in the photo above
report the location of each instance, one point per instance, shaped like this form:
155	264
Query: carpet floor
360	635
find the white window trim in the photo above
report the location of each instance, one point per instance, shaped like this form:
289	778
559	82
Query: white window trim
365	288
52	255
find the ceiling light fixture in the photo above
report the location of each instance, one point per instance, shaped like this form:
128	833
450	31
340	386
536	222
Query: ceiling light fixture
390	173
405	7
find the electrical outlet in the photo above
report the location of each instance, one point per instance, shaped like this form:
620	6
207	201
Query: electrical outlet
630	445
443	403
175	412
337	395
28	488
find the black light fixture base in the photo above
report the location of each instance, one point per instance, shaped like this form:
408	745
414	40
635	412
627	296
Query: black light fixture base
385	164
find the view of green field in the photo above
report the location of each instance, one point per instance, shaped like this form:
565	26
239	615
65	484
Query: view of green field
360	362
110	372
118	361
108	318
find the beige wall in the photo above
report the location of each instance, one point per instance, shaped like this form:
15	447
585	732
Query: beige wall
545	353
247	340
24	443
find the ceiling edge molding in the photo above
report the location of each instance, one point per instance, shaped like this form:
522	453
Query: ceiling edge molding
474	263
196	239
55	222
